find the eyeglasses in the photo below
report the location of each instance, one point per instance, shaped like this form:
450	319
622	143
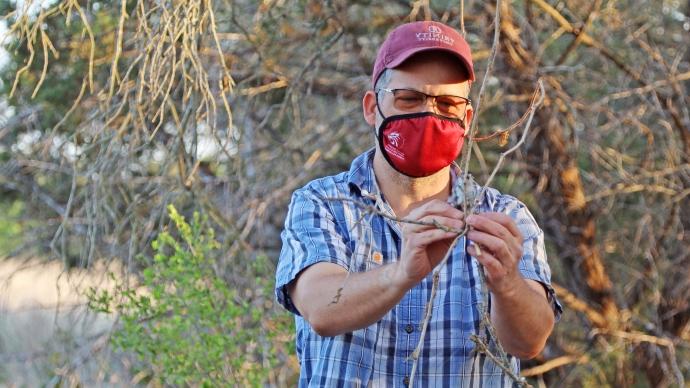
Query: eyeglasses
410	100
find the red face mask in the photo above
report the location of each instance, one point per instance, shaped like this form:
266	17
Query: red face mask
420	144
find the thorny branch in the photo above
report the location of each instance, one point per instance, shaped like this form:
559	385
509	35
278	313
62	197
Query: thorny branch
469	198
373	210
475	202
537	100
504	133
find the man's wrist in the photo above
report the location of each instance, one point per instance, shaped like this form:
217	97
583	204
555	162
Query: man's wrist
512	290
395	278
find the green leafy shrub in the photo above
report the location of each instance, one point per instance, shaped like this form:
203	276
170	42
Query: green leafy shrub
185	323
10	225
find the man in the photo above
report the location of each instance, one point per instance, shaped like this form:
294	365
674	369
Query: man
359	282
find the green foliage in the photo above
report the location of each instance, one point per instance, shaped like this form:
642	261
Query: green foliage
10	226
65	69
185	322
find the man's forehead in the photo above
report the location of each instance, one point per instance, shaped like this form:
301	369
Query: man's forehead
399	77
430	75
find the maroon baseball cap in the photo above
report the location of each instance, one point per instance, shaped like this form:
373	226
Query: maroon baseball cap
411	38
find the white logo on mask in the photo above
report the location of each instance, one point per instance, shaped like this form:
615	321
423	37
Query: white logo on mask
395	139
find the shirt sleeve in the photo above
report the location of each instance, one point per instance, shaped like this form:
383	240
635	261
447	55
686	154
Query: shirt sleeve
533	264
311	235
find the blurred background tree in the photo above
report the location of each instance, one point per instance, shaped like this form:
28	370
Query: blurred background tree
114	110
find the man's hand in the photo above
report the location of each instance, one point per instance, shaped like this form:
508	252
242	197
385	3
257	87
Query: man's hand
369	295
519	310
424	246
500	250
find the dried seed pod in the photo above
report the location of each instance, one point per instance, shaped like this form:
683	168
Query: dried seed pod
503	138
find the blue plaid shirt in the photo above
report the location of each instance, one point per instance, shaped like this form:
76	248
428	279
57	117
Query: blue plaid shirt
318	229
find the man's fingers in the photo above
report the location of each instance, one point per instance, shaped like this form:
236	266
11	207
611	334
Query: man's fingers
437	207
488	225
443	221
434	222
493	266
501	219
430	236
494	244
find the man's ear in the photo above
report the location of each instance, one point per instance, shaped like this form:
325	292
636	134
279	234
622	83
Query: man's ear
468	117
369	107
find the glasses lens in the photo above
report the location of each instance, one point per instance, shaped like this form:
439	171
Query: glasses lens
408	100
413	101
453	106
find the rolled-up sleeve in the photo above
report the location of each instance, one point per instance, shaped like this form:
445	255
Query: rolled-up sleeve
311	235
533	264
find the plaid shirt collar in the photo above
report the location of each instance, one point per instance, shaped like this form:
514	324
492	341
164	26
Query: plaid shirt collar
361	179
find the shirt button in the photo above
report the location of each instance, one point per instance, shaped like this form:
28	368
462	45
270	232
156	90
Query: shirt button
409	328
406	381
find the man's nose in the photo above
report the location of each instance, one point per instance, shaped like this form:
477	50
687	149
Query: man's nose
430	105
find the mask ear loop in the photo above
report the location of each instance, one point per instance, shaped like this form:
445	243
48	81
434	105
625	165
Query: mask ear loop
378	107
466	134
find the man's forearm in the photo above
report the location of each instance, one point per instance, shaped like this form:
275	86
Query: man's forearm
523	319
339	303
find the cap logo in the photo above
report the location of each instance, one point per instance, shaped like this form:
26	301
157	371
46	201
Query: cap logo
435	34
